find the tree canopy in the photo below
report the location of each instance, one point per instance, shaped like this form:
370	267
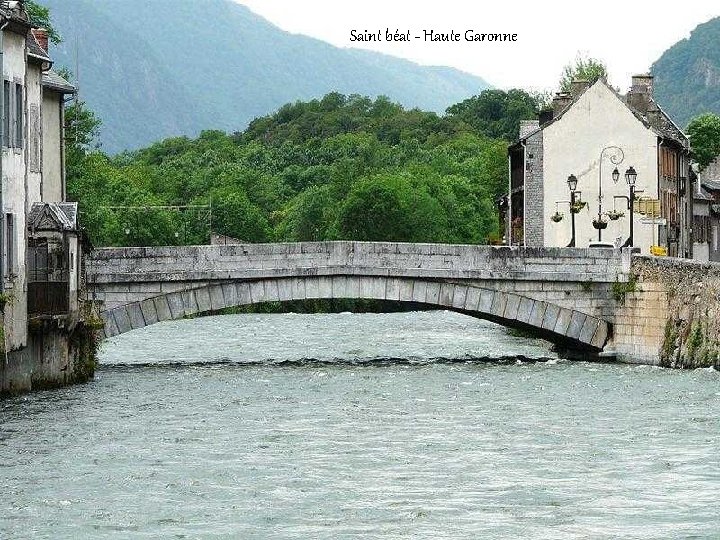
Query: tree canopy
704	134
339	167
582	68
497	113
40	17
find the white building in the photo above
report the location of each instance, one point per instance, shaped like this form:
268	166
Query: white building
591	133
39	248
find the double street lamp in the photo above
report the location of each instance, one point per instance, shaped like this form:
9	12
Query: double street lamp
630	179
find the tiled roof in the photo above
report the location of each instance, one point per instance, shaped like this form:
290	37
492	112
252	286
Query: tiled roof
702	195
661	123
712	185
51	79
62	216
35	50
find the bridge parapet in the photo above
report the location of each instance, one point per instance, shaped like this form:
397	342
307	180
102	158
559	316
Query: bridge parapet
429	261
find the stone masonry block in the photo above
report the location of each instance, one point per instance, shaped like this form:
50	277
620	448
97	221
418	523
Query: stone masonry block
229	294
432	293
190	303
601	334
217	299
588	330
162	308
459	296
339	287
312	288
551	316
512	307
525	309
284	287
257	292
298	289
175	303
136	316
563	321
487	297
122	319
499	303
419	291
406	290
472	298
392	289
325	287
447	290
109	324
353	287
576	325
203	300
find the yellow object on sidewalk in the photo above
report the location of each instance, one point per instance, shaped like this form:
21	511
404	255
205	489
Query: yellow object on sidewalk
658	251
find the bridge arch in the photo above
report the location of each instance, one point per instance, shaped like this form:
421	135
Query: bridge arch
509	309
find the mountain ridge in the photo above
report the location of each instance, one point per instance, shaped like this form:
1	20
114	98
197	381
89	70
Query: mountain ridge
687	75
175	67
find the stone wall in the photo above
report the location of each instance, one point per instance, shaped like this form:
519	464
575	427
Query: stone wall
534	191
677	307
57	354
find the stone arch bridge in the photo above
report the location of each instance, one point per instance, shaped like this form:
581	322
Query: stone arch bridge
566	294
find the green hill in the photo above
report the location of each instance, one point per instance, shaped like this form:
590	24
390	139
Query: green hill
687	75
160	68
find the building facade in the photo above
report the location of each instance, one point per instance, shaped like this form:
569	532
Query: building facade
40	251
591	133
706	218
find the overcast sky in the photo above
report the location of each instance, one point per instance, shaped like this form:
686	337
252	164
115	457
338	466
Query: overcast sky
627	35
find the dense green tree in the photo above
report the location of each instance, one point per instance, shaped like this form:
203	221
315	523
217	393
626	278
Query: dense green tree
704	134
40	17
337	167
582	68
496	113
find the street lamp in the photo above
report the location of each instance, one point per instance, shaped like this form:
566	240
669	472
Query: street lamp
616	175
572	182
630	178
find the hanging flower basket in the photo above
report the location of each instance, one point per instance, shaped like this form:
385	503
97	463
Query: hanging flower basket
614	215
557	217
575	208
600	224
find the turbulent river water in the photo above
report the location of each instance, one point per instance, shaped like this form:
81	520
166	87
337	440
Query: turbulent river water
360	426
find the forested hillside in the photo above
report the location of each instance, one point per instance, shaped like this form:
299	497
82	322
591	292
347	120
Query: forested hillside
687	75
161	68
336	168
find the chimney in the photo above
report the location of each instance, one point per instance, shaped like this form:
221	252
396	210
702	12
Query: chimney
578	86
527	127
41	36
640	96
560	102
546	115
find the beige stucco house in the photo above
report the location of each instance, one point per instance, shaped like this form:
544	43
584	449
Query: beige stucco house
591	133
39	246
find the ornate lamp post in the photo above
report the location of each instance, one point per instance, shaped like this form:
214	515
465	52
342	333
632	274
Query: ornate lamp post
616	158
572	182
630	178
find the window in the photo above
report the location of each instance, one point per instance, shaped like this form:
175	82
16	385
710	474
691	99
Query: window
10	243
6	114
19	116
34	145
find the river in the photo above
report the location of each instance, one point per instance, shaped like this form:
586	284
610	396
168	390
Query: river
345	426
